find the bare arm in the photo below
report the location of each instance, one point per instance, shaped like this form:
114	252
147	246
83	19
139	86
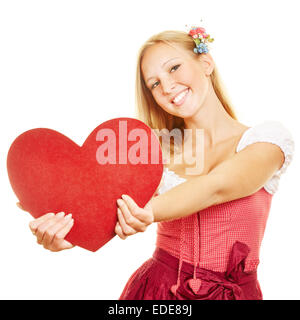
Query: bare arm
187	198
242	175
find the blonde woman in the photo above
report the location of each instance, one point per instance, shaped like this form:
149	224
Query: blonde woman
211	224
210	220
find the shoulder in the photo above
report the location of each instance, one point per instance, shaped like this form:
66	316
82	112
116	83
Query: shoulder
280	141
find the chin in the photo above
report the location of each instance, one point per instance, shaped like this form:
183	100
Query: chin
187	114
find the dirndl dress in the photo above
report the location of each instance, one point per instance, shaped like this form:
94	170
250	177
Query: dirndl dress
214	253
155	279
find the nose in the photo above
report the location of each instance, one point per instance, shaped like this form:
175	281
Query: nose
168	85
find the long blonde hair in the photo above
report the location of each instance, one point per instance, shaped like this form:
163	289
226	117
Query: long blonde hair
147	109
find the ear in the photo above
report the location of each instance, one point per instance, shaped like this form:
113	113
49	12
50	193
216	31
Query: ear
207	62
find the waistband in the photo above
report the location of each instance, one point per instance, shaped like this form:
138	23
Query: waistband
199	283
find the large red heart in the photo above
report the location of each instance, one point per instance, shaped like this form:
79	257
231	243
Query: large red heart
50	173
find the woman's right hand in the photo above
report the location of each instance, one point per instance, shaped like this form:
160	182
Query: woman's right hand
50	230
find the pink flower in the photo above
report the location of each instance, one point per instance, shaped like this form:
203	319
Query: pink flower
192	32
200	30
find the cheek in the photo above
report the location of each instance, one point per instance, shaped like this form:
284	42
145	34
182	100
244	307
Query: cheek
199	82
190	77
183	76
163	103
159	99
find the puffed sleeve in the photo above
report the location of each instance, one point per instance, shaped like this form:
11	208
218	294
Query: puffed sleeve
169	180
274	132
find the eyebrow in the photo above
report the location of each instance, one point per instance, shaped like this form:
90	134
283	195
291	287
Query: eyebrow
162	67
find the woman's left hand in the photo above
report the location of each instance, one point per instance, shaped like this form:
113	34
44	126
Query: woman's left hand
132	218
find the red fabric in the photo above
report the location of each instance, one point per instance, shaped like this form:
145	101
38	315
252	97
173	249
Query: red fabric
155	278
205	238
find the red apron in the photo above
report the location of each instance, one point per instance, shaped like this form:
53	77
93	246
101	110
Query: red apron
156	279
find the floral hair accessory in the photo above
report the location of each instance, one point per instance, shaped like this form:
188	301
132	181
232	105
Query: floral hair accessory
201	38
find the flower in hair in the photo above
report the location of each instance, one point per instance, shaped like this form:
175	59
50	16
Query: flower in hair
201	38
201	48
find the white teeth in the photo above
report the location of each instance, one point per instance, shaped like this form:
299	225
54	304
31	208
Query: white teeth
180	96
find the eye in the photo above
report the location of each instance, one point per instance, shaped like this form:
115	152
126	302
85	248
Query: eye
154	85
175	67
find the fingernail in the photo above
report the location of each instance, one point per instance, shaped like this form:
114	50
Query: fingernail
68	216
119	201
60	214
124	196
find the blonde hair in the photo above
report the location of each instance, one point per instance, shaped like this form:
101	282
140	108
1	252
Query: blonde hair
147	109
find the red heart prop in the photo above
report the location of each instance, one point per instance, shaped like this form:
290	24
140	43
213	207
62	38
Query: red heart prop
50	173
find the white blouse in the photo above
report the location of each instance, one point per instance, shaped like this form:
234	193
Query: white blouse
268	131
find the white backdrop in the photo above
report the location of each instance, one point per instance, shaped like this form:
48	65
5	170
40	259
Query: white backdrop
70	65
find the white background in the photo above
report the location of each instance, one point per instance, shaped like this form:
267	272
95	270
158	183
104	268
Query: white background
70	65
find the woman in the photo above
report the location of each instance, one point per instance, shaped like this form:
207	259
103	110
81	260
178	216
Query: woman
211	222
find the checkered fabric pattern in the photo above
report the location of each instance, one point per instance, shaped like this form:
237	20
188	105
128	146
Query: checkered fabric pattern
205	238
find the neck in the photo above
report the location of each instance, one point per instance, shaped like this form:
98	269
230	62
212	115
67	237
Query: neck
218	125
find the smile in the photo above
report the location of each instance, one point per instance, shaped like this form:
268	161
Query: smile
180	98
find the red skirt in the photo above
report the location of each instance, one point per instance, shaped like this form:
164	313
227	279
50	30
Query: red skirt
155	278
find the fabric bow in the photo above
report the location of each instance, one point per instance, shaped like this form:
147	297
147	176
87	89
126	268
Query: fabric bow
219	285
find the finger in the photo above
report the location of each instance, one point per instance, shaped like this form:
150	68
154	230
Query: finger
54	228
66	245
63	231
135	210
59	241
119	232
126	229
41	229
33	225
20	206
129	218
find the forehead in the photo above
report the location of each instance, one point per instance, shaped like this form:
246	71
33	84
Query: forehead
158	54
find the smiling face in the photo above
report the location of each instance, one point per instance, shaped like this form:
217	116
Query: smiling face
179	83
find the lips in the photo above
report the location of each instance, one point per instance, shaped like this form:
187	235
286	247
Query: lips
180	97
